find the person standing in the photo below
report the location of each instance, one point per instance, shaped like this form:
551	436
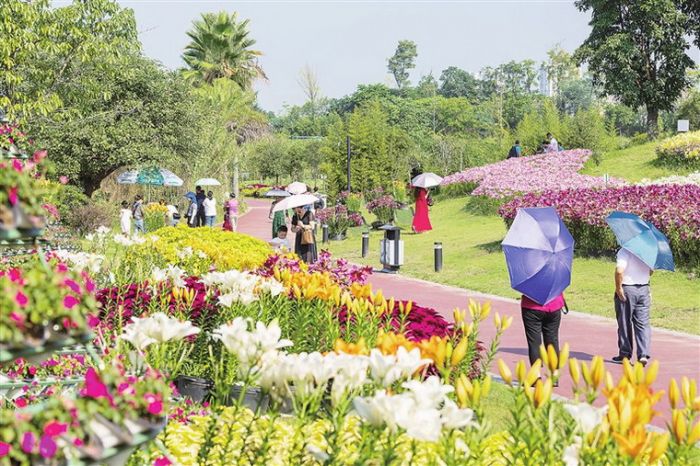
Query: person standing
303	224
125	219
541	322
173	215
200	219
421	219
137	212
209	204
279	218
231	213
192	212
515	150
632	307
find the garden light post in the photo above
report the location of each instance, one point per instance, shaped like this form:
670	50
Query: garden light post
325	233
365	243
438	256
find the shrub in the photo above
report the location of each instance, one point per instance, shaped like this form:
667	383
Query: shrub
87	218
683	149
536	173
383	208
224	250
673	209
338	219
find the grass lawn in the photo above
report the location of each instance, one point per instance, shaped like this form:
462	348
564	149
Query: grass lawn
633	164
473	260
497	406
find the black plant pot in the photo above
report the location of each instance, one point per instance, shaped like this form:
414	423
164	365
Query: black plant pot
194	388
339	237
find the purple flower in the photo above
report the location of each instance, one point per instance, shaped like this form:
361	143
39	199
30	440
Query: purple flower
47	447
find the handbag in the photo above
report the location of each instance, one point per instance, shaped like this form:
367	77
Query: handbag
307	237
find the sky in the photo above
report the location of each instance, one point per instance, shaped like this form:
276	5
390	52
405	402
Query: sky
348	42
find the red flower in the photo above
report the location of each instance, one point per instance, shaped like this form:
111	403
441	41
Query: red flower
54	428
94	388
5	449
72	285
21	299
162	461
12	195
28	442
47	447
155	408
39	155
21	402
69	302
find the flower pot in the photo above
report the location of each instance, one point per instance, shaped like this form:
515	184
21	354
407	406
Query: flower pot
376	225
253	399
106	434
8	230
194	388
339	237
141	425
29	226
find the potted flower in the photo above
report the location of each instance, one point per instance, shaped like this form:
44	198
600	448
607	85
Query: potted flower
383	208
44	302
338	220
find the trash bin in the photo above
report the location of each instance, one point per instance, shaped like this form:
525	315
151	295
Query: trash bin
391	249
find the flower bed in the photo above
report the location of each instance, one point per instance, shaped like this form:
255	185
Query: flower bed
673	209
682	149
536	173
693	178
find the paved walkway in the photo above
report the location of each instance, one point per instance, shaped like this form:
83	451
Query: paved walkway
678	353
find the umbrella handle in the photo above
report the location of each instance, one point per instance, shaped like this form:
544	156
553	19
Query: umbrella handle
566	308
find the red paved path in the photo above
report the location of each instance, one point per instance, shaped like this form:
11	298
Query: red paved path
678	354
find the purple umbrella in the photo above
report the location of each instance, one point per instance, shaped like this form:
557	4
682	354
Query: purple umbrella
539	253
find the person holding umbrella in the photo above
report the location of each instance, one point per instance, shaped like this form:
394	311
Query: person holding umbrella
303	223
643	249
539	254
421	183
278	218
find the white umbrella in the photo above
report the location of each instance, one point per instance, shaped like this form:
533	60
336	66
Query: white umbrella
277	193
207	182
426	180
296	200
297	188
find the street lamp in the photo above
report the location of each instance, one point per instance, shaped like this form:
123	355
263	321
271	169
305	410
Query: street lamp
347	142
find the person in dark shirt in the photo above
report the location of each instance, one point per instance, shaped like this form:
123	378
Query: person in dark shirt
200	196
515	151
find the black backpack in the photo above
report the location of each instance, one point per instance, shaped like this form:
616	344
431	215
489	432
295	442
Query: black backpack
512	153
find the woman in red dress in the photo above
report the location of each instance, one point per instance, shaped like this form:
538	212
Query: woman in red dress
421	221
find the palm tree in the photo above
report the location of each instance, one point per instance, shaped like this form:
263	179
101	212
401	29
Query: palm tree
220	48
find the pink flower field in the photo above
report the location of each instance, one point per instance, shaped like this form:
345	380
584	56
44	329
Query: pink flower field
535	173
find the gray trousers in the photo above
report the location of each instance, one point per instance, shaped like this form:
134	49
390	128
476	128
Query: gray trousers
633	315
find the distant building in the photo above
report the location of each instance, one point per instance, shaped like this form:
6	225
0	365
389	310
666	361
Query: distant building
545	84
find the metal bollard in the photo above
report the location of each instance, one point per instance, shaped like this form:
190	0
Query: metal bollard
325	233
438	256
365	243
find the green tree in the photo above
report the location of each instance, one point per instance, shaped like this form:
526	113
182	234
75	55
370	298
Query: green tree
689	109
220	47
402	61
43	47
146	116
455	82
574	95
692	9
561	67
427	86
637	52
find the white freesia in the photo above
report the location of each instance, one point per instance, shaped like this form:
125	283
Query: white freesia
429	393
383	368
587	417
157	328
250	347
381	408
571	453
82	261
454	417
421	423
185	252
172	273
271	286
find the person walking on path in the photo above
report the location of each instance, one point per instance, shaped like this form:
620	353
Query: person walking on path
279	218
632	306
421	220
201	217
137	212
303	223
125	219
209	204
515	150
231	213
541	322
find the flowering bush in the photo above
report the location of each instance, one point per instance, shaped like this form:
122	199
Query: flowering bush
255	190
155	216
383	208
683	149
673	209
338	219
693	178
341	271
536	173
220	249
43	300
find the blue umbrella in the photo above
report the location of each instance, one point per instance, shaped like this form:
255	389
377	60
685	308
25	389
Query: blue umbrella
191	196
642	239
539	254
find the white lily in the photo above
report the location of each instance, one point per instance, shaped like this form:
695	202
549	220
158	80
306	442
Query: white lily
587	417
430	393
453	417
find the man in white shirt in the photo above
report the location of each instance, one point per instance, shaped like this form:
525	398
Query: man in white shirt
553	143
209	205
632	306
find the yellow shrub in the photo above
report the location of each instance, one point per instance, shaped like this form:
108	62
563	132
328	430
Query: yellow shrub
682	149
224	249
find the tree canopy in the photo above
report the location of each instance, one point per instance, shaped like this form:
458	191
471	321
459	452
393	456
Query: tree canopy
402	61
